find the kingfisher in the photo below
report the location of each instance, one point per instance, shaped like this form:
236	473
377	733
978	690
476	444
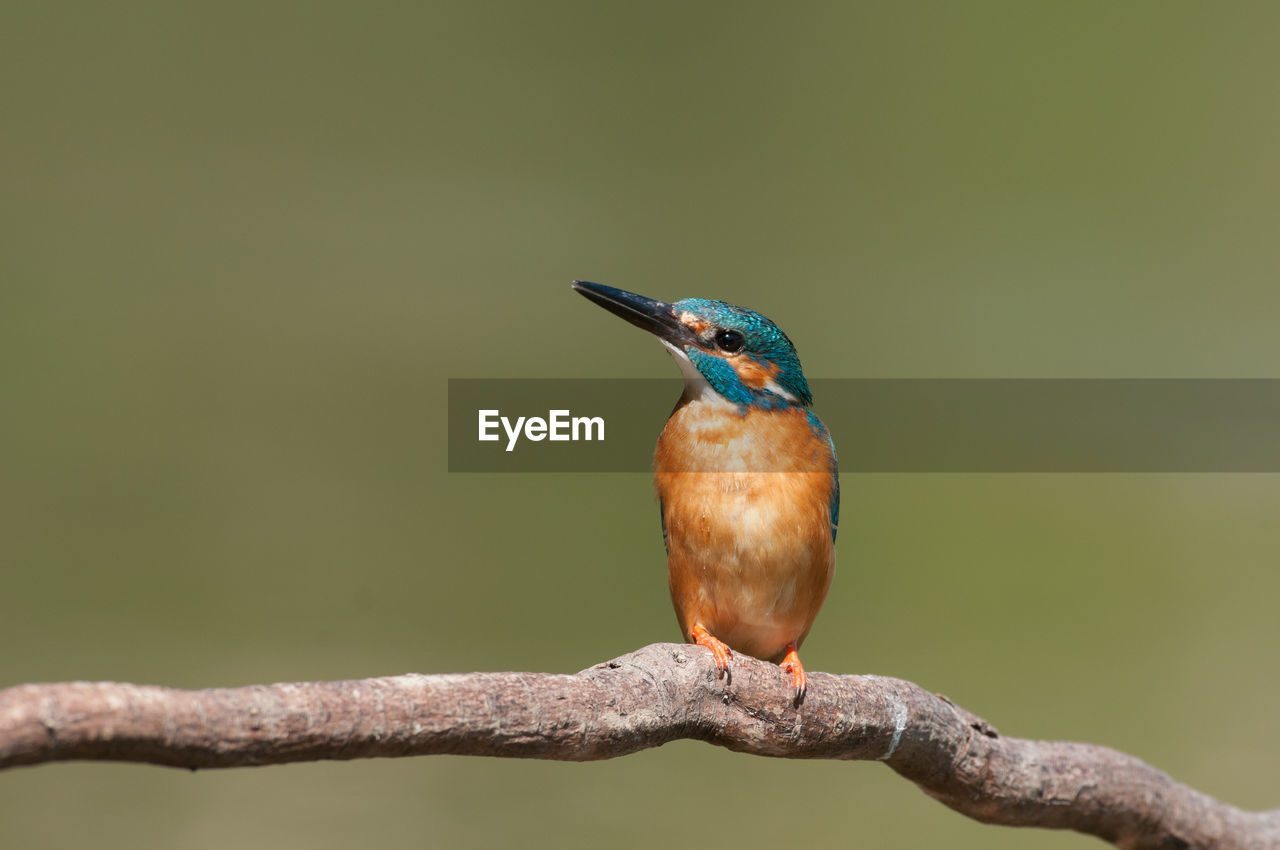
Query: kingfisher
748	489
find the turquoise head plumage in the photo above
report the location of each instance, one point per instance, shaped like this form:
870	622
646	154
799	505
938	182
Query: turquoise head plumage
741	355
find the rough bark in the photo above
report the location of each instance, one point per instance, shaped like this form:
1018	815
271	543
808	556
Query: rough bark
658	694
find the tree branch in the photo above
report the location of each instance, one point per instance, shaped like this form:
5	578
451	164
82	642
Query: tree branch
660	693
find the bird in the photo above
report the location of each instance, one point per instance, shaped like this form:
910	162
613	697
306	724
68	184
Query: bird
747	481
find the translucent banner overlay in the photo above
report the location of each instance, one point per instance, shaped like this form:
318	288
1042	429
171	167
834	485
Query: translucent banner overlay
892	425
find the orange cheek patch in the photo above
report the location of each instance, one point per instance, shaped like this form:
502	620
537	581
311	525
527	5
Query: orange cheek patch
752	373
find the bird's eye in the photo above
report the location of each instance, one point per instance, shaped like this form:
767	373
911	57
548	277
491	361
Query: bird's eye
730	341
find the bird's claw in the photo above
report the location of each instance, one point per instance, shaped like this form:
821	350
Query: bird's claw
799	682
719	649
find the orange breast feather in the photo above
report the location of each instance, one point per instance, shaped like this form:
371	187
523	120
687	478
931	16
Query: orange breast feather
746	507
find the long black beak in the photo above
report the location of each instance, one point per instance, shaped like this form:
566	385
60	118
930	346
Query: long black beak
656	317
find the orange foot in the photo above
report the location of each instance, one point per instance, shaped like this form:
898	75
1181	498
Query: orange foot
791	663
718	648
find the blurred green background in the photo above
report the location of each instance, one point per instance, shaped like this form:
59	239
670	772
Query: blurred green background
246	244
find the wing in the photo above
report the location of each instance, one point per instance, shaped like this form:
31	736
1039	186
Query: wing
662	517
821	430
835	503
